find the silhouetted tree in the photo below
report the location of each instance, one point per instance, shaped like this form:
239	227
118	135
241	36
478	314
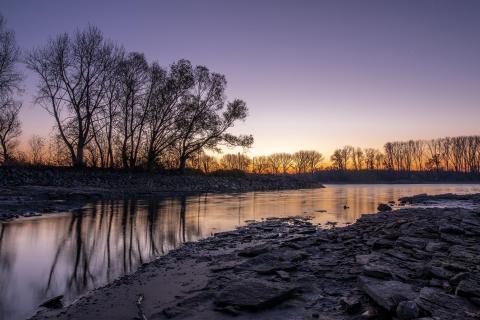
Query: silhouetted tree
73	73
10	79
260	164
37	146
206	117
167	92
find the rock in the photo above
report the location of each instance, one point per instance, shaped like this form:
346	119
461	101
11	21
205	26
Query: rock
364	259
254	251
440	272
273	267
411	242
468	288
283	275
377	271
407	310
452	229
455	280
351	304
383	244
433	246
445	306
382	207
387	294
53	303
254	294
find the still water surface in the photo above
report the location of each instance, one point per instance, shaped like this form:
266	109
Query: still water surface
71	253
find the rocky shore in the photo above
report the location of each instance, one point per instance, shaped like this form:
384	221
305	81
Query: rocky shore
33	191
406	264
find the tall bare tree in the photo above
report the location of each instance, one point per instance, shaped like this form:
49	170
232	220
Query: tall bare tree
10	79
167	91
206	117
73	71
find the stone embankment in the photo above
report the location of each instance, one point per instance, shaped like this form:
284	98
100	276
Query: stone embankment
406	264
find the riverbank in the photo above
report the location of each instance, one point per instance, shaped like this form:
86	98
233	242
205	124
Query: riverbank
408	264
27	191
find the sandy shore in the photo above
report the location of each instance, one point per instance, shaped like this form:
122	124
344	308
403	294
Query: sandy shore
410	263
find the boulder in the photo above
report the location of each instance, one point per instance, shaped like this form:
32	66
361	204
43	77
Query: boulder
387	294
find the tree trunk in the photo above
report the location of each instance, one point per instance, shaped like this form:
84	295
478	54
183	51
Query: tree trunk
183	163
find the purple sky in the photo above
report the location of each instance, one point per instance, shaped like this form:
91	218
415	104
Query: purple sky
315	74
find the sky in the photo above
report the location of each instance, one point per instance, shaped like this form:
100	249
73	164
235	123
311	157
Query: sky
315	74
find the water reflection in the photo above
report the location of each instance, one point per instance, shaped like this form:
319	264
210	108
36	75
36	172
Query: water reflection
73	252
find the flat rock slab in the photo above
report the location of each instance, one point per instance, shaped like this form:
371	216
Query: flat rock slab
446	306
387	294
254	295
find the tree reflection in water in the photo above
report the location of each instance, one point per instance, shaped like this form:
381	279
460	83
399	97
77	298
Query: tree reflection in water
91	247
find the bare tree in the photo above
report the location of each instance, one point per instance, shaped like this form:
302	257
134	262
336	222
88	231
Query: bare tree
9	129
167	91
260	164
73	72
37	146
286	160
275	162
206	117
134	84
10	79
235	162
358	158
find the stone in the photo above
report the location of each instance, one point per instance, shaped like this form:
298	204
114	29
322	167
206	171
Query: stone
283	275
387	294
468	288
364	259
351	304
383	207
450	228
455	280
411	242
254	251
383	244
407	310
445	306
377	271
254	294
433	246
440	272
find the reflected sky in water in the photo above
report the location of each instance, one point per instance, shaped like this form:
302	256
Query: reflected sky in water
71	253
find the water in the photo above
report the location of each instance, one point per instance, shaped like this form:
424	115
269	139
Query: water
71	253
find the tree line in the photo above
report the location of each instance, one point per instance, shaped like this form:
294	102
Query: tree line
112	108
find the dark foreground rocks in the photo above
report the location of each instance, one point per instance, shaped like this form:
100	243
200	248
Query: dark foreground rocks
33	191
406	264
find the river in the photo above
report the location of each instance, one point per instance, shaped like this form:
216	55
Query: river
73	252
